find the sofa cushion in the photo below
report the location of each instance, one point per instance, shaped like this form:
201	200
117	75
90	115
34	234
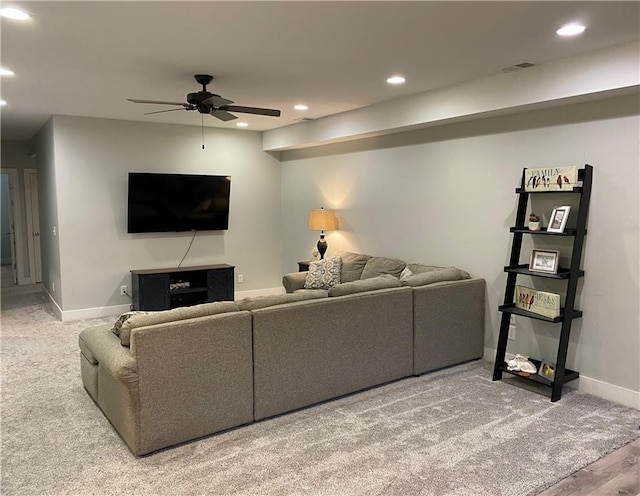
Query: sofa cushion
381	282
352	265
182	313
255	302
323	274
377	266
420	268
424	278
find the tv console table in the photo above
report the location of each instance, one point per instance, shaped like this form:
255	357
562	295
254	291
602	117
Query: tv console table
163	289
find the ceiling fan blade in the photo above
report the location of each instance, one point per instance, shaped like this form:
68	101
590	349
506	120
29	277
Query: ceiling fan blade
216	101
161	111
157	102
251	110
222	115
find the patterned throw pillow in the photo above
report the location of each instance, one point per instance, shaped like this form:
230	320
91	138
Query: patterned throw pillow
323	274
122	319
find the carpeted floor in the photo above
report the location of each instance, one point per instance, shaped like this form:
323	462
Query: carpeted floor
453	432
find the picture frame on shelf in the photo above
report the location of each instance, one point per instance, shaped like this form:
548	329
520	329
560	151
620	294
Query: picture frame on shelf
538	302
544	261
546	179
558	219
547	370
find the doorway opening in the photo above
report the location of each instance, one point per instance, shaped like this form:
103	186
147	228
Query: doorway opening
20	264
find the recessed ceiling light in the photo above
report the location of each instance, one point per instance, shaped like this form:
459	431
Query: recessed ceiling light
396	80
300	106
16	14
571	29
6	72
2	103
242	124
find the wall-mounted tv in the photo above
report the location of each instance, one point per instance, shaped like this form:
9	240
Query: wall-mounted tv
177	202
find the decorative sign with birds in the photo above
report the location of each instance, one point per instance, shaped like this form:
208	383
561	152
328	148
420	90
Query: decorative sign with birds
550	178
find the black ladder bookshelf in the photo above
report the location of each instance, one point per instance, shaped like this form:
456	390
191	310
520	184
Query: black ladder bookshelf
570	275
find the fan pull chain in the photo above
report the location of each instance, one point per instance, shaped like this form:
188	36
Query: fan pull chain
202	121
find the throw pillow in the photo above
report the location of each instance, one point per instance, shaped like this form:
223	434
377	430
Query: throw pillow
122	319
352	265
323	274
406	272
377	266
371	284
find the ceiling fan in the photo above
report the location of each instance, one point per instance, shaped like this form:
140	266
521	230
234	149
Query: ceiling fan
209	103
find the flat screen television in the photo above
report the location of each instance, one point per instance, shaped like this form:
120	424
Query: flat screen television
177	202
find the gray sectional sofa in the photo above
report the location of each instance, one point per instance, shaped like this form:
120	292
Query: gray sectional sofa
163	378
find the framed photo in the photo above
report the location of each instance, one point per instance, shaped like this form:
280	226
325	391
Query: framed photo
544	261
547	370
558	219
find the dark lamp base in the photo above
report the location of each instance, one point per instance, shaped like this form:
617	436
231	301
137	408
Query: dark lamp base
322	246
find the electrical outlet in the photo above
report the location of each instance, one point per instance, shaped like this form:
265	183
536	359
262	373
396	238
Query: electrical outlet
53	286
123	290
240	278
512	333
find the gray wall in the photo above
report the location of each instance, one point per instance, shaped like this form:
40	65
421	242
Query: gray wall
42	146
92	158
445	196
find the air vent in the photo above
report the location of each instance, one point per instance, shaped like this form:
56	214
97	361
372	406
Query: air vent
517	67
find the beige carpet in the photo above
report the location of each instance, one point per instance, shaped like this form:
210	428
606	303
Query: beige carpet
454	432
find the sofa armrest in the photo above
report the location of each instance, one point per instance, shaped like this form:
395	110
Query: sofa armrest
294	281
195	378
448	322
101	346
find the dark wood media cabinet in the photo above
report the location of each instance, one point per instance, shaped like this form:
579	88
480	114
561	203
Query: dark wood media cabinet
163	289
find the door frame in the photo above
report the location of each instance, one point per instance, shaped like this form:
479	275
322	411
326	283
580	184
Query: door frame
33	232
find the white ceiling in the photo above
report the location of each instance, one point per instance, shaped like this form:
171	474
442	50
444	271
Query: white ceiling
86	58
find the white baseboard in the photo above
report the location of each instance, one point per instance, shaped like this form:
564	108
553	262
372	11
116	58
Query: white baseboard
114	310
94	313
595	387
611	392
53	303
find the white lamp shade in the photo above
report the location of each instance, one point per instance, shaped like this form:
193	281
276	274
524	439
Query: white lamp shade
323	220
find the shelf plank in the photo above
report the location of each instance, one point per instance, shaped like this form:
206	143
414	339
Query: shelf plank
575	189
543	230
187	291
569	375
563	273
511	308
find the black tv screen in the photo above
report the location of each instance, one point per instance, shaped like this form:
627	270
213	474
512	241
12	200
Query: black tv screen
177	202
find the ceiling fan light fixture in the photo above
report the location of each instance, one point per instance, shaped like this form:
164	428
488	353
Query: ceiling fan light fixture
300	107
396	80
6	72
571	29
15	14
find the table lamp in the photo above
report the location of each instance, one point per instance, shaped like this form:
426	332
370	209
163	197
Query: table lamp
322	220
